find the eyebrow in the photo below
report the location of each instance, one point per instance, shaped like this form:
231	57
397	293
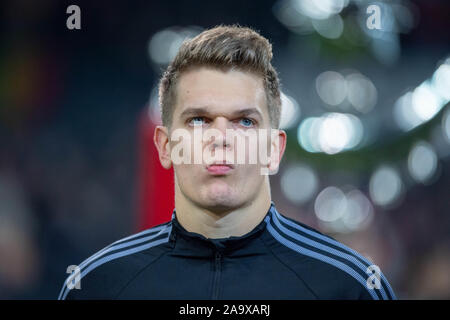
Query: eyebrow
203	111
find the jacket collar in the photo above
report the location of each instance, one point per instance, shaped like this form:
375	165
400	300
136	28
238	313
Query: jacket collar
195	244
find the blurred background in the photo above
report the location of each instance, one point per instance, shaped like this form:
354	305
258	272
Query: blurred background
365	84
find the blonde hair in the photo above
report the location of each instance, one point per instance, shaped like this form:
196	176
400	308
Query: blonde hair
223	48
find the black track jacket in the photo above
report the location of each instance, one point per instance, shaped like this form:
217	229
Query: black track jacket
279	259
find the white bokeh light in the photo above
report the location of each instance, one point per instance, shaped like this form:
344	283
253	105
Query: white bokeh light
385	186
303	137
422	162
446	125
343	212
441	80
331	133
330	28
362	93
290	111
299	183
319	9
331	87
405	118
163	45
330	204
338	132
425	102
287	12
359	211
334	134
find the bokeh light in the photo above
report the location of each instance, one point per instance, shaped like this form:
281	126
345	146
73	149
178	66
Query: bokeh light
331	87
359	213
386	186
164	45
331	133
422	162
290	111
404	117
154	111
343	212
446	125
291	18
299	183
441	80
319	9
425	101
330	28
362	93
330	204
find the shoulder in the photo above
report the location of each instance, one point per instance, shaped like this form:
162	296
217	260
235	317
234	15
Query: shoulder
105	273
331	269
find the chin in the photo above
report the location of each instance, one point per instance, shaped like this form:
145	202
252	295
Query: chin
221	198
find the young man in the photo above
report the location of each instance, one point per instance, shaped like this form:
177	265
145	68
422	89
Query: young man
226	240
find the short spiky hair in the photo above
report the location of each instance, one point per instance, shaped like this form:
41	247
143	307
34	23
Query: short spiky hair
224	48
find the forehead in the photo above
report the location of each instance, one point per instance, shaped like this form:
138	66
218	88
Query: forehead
220	91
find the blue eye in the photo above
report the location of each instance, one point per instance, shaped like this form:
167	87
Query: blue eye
197	121
246	122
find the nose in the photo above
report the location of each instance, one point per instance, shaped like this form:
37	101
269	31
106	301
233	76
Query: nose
221	124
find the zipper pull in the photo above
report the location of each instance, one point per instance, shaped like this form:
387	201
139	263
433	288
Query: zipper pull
218	255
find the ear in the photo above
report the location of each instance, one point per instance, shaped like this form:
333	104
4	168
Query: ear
277	147
161	140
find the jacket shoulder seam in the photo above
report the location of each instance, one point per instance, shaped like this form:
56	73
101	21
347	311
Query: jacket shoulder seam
138	273
292	270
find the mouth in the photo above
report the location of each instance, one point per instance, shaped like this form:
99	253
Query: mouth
219	168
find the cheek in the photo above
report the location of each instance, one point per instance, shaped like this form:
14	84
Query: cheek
248	177
187	171
254	152
184	176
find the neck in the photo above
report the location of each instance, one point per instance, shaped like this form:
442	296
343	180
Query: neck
233	222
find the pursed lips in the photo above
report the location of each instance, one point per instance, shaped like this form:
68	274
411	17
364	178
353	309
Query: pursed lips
219	168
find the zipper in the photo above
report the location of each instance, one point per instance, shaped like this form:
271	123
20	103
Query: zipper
216	287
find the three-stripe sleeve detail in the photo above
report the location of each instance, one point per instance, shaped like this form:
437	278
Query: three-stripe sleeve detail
127	246
318	246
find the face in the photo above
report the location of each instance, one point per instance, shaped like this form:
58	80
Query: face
217	103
